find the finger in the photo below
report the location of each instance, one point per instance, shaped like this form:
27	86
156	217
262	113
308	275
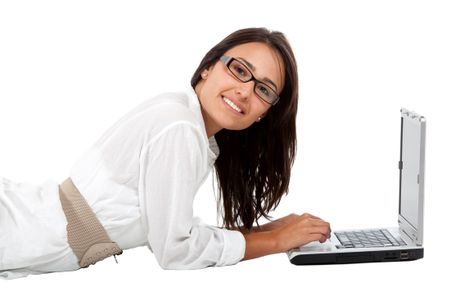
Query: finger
324	238
308	216
317	237
314	217
323	223
315	222
322	228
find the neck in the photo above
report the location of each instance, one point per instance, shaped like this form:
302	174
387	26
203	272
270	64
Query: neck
211	127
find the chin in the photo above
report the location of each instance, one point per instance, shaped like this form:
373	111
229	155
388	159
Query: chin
236	127
233	124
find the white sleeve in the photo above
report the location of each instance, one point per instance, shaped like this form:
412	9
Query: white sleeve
175	163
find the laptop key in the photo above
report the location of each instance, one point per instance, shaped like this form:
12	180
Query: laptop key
367	239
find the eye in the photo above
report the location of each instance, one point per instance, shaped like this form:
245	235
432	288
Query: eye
263	90
239	70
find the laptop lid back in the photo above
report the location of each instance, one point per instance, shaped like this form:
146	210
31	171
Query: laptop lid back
412	176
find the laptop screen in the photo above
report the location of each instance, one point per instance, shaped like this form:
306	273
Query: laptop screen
410	162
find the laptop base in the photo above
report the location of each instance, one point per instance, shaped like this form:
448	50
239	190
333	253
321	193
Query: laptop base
358	257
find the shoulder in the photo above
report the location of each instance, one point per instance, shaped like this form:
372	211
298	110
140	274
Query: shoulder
181	143
174	107
175	115
164	111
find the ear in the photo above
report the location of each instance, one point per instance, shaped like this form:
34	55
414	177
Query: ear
261	117
205	73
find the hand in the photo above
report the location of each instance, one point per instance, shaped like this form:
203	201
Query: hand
278	223
295	231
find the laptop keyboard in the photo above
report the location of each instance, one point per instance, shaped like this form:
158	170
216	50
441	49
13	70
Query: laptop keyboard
368	239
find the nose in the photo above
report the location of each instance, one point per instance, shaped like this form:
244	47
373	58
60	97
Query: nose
245	89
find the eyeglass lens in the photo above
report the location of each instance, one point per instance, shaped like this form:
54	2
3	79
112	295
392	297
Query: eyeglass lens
243	74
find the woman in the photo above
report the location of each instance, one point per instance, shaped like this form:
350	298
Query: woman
141	177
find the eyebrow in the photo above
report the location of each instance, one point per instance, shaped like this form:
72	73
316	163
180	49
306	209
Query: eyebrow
252	67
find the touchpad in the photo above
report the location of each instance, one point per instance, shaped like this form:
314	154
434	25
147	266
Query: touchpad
317	246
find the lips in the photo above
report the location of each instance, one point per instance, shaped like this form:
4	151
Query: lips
233	105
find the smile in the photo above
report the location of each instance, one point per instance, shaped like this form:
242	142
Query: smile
232	105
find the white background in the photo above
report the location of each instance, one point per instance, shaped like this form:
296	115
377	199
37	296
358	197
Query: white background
69	70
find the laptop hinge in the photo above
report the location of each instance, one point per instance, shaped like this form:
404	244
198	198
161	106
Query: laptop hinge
408	232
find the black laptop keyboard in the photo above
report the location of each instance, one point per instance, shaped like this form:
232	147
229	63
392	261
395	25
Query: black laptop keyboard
368	239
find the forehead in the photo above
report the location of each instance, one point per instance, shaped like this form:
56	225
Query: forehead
266	60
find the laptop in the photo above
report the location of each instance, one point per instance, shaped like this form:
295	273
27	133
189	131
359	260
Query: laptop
402	243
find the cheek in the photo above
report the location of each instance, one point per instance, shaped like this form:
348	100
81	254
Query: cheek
261	108
207	89
210	86
219	81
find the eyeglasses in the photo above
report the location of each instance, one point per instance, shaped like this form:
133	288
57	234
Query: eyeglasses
243	74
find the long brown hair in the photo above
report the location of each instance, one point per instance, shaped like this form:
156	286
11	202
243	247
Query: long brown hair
254	164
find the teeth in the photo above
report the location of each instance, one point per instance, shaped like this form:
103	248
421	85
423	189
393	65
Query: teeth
234	106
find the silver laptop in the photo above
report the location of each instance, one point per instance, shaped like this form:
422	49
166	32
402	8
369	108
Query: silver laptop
402	243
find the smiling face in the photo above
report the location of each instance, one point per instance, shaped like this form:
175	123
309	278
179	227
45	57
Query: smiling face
230	103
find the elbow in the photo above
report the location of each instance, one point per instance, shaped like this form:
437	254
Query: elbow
180	258
167	262
172	259
167	266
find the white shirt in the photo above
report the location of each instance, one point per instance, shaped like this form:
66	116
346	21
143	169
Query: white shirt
140	179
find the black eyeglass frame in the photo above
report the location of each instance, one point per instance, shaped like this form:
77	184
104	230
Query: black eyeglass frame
227	60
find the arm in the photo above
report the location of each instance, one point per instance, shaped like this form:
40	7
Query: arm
259	244
173	166
284	234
